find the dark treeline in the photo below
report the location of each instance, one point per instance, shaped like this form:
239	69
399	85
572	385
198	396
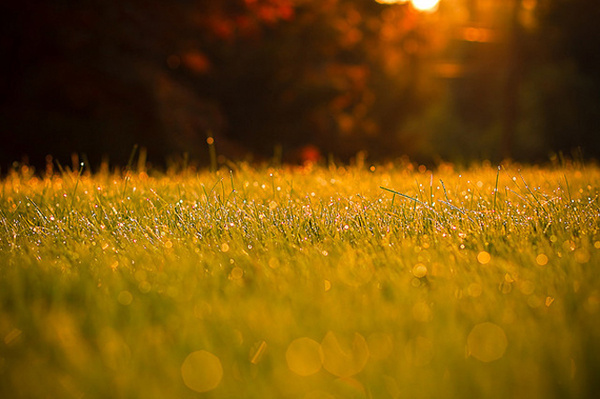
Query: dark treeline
298	79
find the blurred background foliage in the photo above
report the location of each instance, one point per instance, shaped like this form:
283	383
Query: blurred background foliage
299	79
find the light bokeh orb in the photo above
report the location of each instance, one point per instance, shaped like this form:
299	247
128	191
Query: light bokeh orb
487	342
303	356
201	371
343	358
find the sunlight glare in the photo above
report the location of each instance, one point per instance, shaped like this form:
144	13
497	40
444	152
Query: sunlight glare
425	5
419	5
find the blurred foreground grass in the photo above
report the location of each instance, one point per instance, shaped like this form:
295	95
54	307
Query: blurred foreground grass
306	283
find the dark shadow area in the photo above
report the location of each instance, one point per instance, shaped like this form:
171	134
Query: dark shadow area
298	80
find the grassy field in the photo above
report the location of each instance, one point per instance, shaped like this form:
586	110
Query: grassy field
309	283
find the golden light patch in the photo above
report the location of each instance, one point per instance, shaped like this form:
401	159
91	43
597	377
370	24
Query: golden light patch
569	245
592	305
274	263
344	359
526	287
144	287
237	273
419	270
355	272
201	371
303	356
419	351
422	312
380	345
582	256
505	287
483	257
474	290
487	342
541	259
115	352
125	298
347	387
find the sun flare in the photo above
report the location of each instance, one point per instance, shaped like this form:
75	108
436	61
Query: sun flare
425	5
420	5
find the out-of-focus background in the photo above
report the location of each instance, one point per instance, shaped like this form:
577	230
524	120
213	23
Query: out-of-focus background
299	80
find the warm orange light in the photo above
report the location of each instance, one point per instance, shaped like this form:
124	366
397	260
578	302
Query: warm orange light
475	34
529	5
391	1
425	5
420	5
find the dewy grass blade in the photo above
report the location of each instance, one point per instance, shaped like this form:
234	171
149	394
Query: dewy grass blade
531	192
182	282
403	195
496	187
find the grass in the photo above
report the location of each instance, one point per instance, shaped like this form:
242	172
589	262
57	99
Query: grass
313	282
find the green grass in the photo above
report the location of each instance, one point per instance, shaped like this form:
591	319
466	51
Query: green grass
382	282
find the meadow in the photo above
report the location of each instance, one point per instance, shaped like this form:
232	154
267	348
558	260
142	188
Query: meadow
313	282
